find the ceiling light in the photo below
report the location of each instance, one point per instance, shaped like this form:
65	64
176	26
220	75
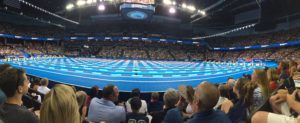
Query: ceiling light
174	3
89	1
172	10
167	2
101	7
184	5
202	12
192	8
70	6
80	3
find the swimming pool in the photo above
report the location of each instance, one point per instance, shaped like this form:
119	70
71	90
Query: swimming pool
147	75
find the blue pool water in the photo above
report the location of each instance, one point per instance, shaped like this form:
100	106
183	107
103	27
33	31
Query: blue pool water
147	75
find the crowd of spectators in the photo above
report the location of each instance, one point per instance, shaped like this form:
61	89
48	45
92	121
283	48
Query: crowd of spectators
11	29
259	39
142	50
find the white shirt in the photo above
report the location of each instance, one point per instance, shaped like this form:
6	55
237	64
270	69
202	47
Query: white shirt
189	109
143	108
43	89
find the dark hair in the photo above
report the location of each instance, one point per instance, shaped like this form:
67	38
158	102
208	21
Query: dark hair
135	103
284	65
4	67
108	90
10	80
155	95
223	91
246	90
44	81
135	92
94	91
190	93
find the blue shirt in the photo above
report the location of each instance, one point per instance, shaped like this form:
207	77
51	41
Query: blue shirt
105	110
173	116
212	116
238	112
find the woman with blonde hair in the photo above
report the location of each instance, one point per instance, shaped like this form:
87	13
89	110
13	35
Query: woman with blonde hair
60	106
262	91
293	67
81	100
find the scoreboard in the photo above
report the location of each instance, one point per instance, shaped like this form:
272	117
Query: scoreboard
137	9
140	1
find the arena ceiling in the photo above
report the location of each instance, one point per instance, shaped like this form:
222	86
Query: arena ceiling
218	13
87	14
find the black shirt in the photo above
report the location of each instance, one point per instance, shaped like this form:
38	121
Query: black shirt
12	113
155	106
136	118
158	116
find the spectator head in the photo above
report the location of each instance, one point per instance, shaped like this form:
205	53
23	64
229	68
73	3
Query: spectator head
14	83
223	90
272	75
44	82
238	87
247	92
187	92
111	92
190	93
94	91
171	97
35	86
60	106
284	65
292	63
135	93
155	96
135	104
205	98
81	98
230	83
259	77
4	67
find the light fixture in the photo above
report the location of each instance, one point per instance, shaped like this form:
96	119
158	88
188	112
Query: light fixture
184	5
202	12
70	6
191	8
172	10
167	2
80	3
89	1
101	7
174	3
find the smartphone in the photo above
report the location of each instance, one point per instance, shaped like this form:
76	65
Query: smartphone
290	86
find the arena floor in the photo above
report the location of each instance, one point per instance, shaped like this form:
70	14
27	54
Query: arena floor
147	75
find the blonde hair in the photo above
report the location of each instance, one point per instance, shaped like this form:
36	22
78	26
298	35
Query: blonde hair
60	106
81	98
262	81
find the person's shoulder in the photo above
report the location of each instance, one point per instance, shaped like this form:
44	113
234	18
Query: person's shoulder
120	109
174	110
224	118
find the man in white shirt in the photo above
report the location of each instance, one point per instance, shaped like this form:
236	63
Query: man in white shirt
136	93
43	88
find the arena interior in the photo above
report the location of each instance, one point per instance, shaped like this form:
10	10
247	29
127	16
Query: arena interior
149	61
